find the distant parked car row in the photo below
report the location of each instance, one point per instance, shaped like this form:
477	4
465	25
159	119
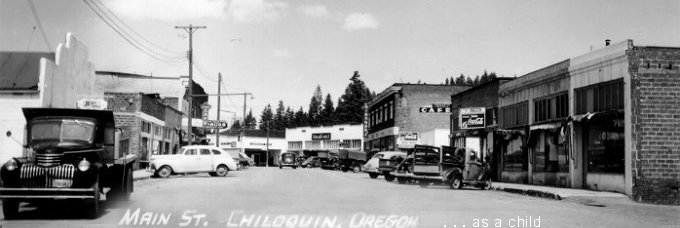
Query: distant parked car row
455	167
199	159
343	159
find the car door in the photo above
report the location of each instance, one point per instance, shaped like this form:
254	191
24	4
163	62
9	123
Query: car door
187	161
204	162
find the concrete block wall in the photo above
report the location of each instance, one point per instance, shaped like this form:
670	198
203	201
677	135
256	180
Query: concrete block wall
655	86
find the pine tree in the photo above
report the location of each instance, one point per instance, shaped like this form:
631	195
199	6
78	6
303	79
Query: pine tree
279	122
326	116
289	118
469	82
267	117
475	82
236	125
460	80
350	107
315	107
446	82
249	122
300	118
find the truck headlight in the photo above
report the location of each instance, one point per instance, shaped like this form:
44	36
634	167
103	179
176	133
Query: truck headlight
11	165
84	165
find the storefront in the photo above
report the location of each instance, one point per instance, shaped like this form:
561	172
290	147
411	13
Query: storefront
260	145
310	141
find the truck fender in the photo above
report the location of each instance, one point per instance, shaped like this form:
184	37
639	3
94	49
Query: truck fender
451	173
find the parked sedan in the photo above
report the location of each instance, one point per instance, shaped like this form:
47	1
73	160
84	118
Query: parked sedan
193	159
372	166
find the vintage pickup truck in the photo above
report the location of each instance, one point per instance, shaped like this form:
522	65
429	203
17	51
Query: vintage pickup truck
453	166
71	154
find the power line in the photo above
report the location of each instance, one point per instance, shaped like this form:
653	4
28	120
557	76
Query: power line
121	30
107	11
30	39
37	21
115	29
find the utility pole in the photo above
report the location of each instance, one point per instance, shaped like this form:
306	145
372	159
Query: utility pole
243	126
190	29
219	93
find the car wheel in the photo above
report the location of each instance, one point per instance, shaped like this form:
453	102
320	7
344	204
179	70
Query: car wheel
309	166
10	208
373	175
457	182
280	167
488	184
389	178
344	169
295	167
164	172
222	170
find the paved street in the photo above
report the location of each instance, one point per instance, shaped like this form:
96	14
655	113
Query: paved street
261	197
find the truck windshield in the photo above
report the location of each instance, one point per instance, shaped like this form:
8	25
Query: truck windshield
62	130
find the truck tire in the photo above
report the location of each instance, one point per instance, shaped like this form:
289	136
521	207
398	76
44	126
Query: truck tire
92	205
388	177
164	172
373	175
221	171
456	182
10	209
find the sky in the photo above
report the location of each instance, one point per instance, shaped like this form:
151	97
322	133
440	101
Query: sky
281	50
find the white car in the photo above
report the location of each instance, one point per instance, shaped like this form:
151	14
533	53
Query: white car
371	167
193	159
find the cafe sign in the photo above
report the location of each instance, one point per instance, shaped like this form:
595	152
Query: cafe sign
436	108
471	118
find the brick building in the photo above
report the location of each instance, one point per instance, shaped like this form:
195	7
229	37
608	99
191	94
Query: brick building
148	125
620	131
405	114
478	103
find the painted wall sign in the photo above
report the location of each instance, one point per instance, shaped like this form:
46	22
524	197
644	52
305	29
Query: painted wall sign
436	108
321	136
471	118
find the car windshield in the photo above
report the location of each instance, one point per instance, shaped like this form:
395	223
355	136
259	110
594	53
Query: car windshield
68	129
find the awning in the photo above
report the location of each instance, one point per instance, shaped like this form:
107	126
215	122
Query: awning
546	126
509	132
595	116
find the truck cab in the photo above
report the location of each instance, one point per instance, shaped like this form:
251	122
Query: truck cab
71	154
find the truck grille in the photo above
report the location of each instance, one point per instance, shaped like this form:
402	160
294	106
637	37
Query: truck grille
33	176
48	160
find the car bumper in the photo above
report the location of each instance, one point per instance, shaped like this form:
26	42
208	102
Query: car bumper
46	193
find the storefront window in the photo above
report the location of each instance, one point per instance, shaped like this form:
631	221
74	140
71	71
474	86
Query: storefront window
514	156
550	153
605	146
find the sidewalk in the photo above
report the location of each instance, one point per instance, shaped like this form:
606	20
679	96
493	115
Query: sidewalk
141	174
553	192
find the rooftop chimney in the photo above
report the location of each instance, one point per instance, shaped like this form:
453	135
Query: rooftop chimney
607	42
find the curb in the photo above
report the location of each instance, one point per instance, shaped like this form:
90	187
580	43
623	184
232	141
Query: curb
530	192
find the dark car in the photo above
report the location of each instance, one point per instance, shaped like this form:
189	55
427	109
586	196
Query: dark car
311	162
288	159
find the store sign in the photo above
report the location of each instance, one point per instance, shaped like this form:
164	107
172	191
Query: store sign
471	118
321	136
91	103
215	124
407	138
436	108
